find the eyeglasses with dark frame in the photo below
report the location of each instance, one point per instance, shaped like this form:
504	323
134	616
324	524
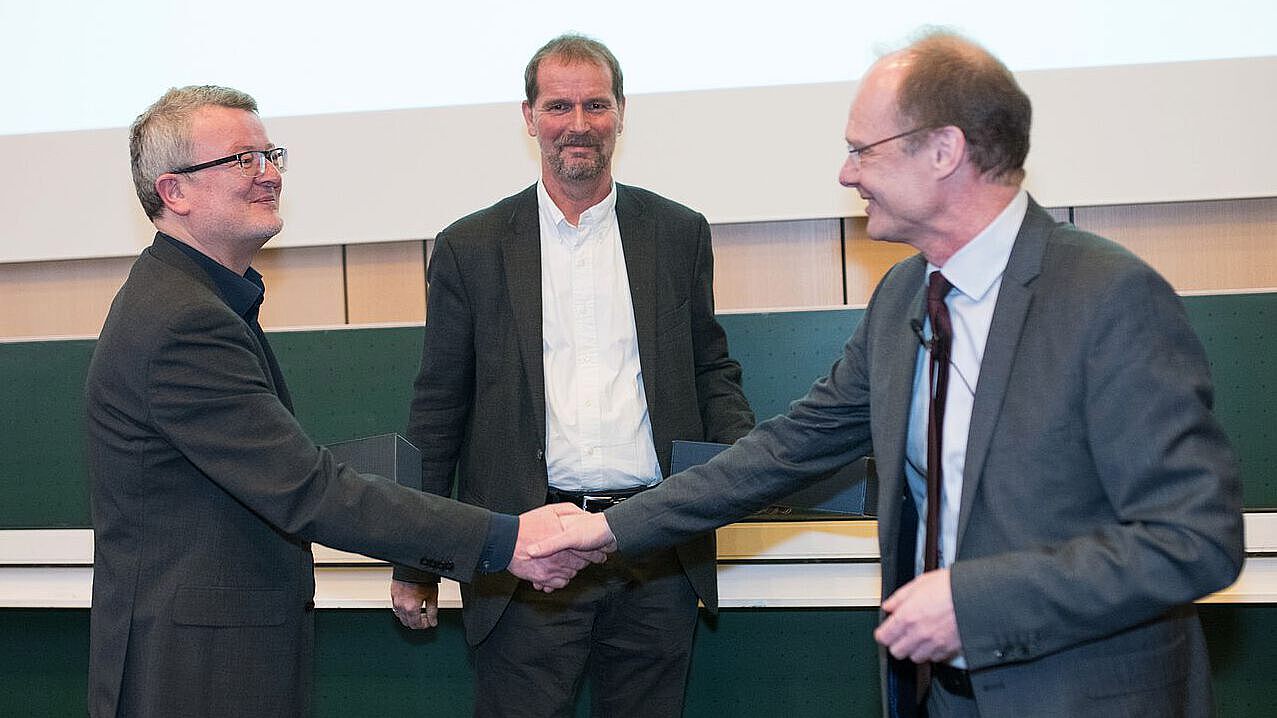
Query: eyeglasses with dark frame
858	153
251	163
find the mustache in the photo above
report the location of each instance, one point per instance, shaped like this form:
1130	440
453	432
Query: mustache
578	140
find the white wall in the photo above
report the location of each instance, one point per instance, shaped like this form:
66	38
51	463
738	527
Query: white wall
1114	135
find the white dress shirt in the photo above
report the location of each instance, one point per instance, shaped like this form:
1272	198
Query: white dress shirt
975	271
598	432
976	274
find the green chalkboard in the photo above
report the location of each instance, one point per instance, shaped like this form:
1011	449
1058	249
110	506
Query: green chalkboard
357	382
42	475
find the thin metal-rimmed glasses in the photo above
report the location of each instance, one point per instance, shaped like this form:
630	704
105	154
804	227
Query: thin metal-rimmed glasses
251	163
857	153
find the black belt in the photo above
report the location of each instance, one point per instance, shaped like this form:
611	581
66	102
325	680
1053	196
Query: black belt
954	680
592	501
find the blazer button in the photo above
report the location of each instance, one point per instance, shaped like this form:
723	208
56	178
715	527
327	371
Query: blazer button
310	606
448	565
540	454
999	654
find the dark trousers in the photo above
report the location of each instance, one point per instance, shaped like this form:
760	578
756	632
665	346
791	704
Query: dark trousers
625	625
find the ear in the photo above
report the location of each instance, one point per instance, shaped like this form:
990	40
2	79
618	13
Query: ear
169	187
948	150
527	119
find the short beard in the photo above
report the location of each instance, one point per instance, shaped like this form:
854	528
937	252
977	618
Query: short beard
579	169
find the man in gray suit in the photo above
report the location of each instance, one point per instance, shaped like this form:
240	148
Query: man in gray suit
206	492
570	338
1084	493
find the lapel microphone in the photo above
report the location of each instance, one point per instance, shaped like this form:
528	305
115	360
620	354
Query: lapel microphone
916	325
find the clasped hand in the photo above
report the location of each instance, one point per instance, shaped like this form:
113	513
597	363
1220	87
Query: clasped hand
554	542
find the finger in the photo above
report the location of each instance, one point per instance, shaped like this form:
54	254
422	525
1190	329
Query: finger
409	619
566	509
432	614
569	559
893	601
889	631
924	651
904	648
554	582
551	545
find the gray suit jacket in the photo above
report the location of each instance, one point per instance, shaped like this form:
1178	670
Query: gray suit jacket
1100	495
206	493
478	412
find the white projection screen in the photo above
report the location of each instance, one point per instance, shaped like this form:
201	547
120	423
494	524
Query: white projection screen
735	108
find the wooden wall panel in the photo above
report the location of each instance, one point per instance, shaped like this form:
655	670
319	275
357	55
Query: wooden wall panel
70	298
305	286
386	282
1210	246
867	260
1222	245
777	264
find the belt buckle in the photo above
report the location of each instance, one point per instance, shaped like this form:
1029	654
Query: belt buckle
597	503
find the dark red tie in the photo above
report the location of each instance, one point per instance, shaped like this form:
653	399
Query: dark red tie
941	341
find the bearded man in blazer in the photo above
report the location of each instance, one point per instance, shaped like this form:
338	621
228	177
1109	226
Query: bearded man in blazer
570	338
1088	495
206	492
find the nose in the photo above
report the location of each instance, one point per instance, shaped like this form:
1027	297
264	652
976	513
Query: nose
849	176
271	177
577	122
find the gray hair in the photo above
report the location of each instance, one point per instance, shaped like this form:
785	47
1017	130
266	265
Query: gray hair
573	48
160	138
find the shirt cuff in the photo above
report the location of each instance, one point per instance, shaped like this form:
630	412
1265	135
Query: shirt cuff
498	549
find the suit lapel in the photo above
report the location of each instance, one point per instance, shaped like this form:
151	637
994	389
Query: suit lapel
173	257
899	359
638	242
275	373
521	261
1014	299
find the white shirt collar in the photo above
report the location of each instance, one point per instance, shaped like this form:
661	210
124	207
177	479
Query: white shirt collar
589	218
975	268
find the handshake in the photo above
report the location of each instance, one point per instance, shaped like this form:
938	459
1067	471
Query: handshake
554	542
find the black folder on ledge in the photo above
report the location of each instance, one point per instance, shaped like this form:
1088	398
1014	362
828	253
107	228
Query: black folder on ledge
849	491
387	455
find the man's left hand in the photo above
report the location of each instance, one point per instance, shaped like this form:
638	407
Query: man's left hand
920	623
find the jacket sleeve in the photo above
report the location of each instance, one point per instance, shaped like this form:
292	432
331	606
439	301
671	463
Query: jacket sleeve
826	429
208	394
